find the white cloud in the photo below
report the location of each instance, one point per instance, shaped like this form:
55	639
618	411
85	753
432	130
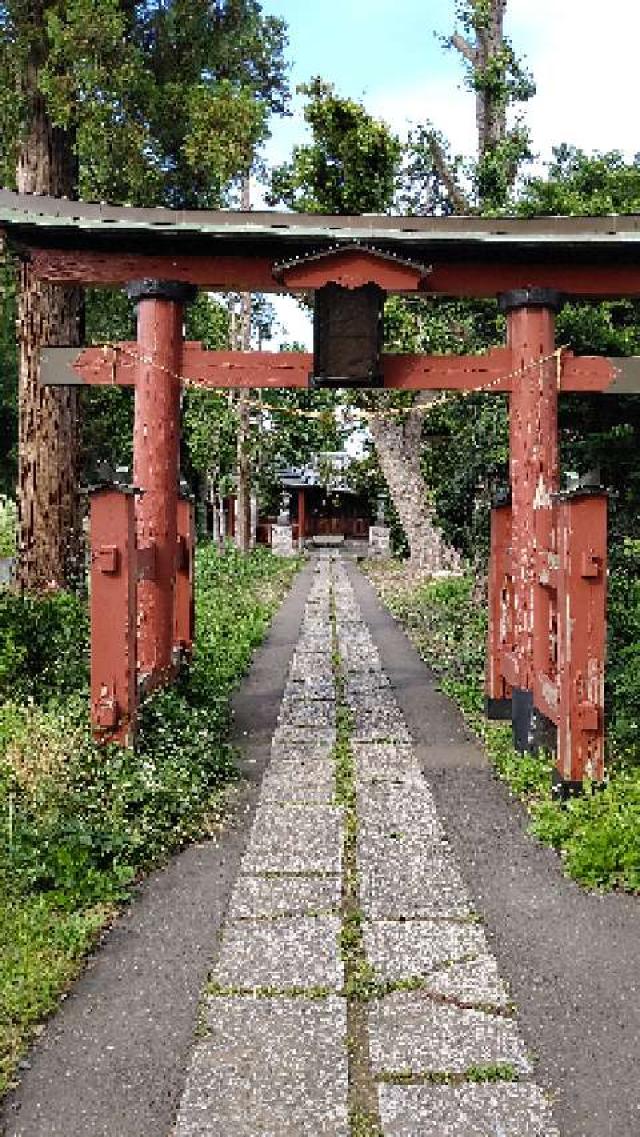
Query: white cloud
442	101
584	61
295	324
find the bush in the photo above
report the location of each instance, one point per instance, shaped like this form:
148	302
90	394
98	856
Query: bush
623	658
87	819
79	822
44	646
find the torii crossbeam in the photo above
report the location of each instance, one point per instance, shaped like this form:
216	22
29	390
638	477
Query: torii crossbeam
548	569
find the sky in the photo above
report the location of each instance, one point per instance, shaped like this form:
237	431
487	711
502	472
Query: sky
388	53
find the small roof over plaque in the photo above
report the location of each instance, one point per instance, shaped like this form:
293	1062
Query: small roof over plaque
352	266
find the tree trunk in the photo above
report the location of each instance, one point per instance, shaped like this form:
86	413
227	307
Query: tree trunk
50	531
243	500
398	445
491	114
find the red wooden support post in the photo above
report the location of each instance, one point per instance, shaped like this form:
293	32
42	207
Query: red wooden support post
156	443
183	633
500	630
534	479
113	615
582	576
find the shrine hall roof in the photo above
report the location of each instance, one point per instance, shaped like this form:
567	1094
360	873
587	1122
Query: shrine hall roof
60	223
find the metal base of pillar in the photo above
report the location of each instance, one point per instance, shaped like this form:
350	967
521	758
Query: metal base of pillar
532	731
530	298
563	789
498	710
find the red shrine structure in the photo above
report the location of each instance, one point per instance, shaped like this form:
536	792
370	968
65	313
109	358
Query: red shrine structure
546	646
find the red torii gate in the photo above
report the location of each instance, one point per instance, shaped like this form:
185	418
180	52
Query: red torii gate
545	663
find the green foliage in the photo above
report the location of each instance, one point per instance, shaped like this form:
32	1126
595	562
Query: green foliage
41	949
43	646
498	77
597	834
623	656
78	822
165	102
497	168
581	184
8	526
350	167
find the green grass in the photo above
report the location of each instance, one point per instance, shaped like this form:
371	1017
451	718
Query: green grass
596	835
79	823
500	1072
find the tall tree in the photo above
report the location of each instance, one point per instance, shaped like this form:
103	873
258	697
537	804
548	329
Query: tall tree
162	103
48	502
500	83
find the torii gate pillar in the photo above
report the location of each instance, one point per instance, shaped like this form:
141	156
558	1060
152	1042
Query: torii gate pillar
534	472
156	457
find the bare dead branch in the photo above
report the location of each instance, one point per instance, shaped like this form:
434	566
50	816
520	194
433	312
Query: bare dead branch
465	48
458	200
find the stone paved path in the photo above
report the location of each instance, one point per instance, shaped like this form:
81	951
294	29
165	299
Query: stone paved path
353	993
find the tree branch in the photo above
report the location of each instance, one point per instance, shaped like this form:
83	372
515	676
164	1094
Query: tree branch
458	200
465	48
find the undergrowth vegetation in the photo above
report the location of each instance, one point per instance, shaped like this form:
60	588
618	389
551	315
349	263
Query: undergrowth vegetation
80	823
597	834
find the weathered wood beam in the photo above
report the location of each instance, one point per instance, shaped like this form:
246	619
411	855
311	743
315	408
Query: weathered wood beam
234	274
116	366
486	277
490	277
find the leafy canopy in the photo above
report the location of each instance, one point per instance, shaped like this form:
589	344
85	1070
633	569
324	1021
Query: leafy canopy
350	167
168	102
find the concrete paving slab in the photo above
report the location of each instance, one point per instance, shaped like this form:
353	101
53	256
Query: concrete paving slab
291	838
385	761
295	951
258	896
306	667
269	1068
299	782
373	723
366	684
476	981
416	841
400	949
300	752
394	885
409	1032
389	808
501	1109
313	687
309	714
303	736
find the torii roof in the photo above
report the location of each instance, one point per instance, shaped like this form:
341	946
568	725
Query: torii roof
571	245
29	217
